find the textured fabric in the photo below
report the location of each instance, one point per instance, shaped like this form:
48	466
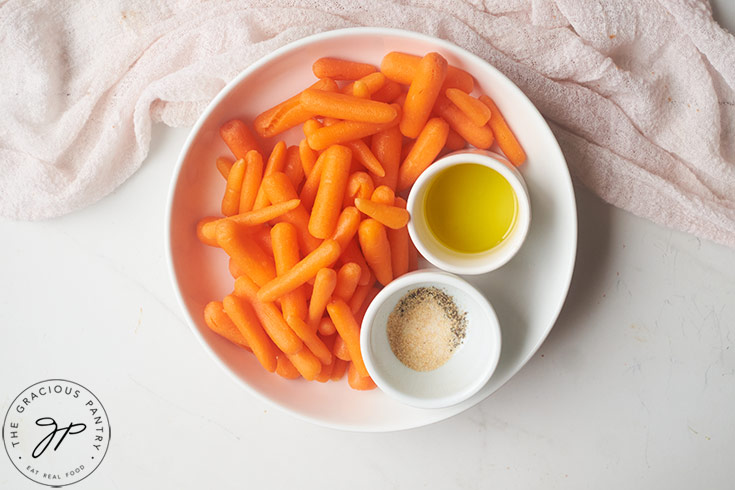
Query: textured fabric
640	93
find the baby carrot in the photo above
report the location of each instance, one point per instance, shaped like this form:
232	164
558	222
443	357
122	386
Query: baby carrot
311	185
243	250
359	184
340	349
326	326
276	162
386	146
349	330
339	367
293	168
413	256
324	284
251	180
279	189
427	146
358	382
383	195
224	165
388	92
422	93
454	141
308	157
221	324
306	363
252	218
347	278
348	107
390	216
285	368
206	234
288	113
353	254
376	249
372	83
235	270
506	139
286	255
398	239
401	67
360	90
344	131
478	112
346	228
309	337
323	256
331	191
339	69
362	153
270	317
231	199
247	323
372	293
238	138
478	136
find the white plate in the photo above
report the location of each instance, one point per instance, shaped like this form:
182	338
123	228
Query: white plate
527	293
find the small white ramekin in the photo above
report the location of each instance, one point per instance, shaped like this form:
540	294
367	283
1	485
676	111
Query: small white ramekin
463	375
468	263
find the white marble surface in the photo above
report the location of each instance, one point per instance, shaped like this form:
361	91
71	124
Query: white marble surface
634	388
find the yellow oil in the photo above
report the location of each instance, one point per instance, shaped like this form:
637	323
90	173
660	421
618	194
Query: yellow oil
470	208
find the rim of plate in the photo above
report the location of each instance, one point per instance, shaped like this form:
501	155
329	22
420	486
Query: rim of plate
299	43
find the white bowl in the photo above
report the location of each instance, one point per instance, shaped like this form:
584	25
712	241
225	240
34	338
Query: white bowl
463	375
450	260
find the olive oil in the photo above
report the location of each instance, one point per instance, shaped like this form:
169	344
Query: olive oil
470	208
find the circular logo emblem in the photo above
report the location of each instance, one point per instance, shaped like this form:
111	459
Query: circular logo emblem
56	432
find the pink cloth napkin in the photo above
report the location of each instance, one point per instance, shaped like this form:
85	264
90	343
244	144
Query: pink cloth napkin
640	93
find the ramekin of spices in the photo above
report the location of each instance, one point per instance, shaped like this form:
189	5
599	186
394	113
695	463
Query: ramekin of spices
430	339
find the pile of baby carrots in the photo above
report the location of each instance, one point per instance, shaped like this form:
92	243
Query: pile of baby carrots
315	230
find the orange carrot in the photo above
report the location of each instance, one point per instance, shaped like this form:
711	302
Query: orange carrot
478	136
247	323
340	349
454	141
310	126
323	256
331	191
306	363
372	293
326	326
345	131
372	83
252	218
358	297
390	216
243	250
348	107
339	367
422	93
359	184
326	371
339	69
285	368
279	189
401	67
231	199
221	324
360	90
353	254
383	195
376	249
346	227
358	382
362	154
413	256
288	113
286	254
205	234
293	169
311	185
347	328
427	146
262	236
347	278
224	165
308	157
478	112
270	317
251	180
276	163
238	138
386	146
388	92
324	284
309	337
398	239
235	270
506	139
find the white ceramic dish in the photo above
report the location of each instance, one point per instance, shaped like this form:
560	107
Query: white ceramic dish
462	263
527	293
469	368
